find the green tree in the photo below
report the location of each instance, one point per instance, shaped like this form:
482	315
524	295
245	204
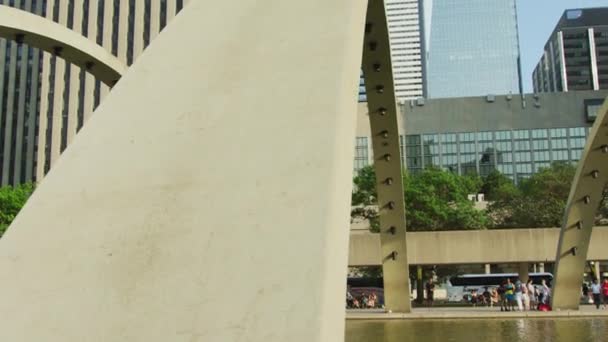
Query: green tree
438	200
12	199
495	185
537	202
434	200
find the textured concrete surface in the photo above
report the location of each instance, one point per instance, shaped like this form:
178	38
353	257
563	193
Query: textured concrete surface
475	247
42	33
209	197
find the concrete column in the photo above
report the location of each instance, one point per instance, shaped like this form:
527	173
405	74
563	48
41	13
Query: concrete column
596	270
524	274
488	269
419	285
534	268
541	267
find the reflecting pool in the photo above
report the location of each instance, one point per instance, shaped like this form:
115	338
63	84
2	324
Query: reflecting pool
508	330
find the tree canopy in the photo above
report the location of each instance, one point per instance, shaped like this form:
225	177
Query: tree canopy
12	199
438	200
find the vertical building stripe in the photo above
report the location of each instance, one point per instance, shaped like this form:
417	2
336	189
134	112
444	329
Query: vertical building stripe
20	128
74	89
10	110
593	59
32	132
108	16
44	105
171	9
89	81
154	19
58	93
123	30
139	20
562	61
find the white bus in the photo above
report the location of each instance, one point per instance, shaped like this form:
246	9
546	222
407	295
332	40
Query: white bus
459	288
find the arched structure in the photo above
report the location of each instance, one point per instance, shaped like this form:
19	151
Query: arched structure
174	214
579	218
42	33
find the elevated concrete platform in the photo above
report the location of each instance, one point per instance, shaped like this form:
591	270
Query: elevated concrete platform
471	313
474	246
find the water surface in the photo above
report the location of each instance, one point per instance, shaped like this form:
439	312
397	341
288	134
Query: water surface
496	330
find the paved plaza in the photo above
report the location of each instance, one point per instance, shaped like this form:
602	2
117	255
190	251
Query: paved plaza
471	313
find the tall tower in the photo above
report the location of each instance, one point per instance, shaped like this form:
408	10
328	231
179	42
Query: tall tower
404	20
473	48
576	54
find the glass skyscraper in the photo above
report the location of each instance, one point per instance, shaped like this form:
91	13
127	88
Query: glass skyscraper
472	48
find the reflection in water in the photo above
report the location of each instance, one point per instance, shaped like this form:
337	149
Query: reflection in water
516	330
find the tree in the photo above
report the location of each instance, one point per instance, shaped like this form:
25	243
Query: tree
537	202
12	199
434	200
495	185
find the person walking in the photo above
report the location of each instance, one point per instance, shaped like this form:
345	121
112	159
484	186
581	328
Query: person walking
532	294
605	292
546	291
510	294
430	292
526	296
596	290
519	298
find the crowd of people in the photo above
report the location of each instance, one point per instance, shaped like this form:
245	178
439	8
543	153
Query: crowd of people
516	296
362	301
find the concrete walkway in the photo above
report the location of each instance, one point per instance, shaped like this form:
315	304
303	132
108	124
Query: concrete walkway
471	313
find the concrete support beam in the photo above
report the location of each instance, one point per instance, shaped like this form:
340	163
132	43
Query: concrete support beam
377	69
524	271
174	214
488	269
585	196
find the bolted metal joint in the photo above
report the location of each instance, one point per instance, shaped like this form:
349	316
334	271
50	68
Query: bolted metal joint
57	50
19	38
384	134
392	230
393	255
388	181
373	46
604	148
579	225
387	157
377	67
380	89
587	199
595	174
391	205
382	111
574	250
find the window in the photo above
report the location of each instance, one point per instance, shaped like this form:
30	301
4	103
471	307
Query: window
592	109
539	133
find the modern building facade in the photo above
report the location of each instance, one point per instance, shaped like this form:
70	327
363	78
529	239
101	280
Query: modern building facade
576	54
479	134
44	100
404	20
472	48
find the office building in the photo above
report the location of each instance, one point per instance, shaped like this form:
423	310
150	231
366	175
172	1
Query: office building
476	135
403	19
44	100
576	54
472	48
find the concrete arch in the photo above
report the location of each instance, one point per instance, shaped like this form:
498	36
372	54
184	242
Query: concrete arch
44	34
583	201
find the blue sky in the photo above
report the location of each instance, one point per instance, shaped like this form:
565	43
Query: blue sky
537	19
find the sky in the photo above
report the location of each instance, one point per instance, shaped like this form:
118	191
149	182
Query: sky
536	20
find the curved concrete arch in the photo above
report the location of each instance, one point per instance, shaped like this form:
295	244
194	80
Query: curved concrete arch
44	34
581	208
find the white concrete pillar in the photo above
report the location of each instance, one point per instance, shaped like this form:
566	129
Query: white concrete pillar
488	269
541	267
596	270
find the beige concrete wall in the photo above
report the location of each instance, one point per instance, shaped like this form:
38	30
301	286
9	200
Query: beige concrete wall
208	198
474	247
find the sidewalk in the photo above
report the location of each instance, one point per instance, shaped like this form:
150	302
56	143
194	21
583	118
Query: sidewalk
471	313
